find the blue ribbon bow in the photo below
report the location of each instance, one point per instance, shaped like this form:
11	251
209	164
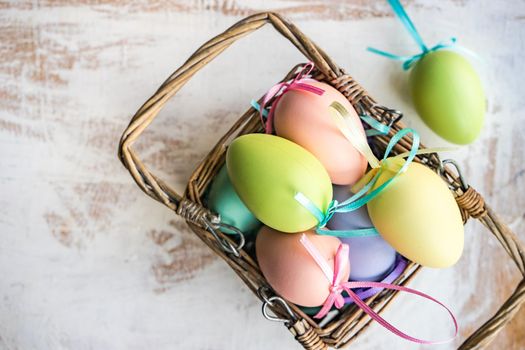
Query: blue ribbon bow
409	61
363	196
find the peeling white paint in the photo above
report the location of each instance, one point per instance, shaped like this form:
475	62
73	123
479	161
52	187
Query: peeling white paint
76	253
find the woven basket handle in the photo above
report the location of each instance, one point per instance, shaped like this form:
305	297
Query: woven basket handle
473	205
149	183
156	188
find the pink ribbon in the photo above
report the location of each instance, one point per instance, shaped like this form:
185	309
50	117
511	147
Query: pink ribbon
338	286
280	89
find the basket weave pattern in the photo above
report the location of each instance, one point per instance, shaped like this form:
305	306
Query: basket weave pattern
352	321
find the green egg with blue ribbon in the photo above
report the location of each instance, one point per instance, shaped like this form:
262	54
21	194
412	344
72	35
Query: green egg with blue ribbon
448	95
268	171
446	90
223	200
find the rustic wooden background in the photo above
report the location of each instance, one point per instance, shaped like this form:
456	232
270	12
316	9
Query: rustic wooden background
89	262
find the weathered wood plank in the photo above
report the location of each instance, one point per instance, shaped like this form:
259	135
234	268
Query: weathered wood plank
89	262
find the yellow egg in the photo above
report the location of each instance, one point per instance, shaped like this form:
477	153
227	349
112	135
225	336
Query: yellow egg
417	215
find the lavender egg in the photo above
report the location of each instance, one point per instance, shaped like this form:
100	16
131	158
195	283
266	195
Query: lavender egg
371	258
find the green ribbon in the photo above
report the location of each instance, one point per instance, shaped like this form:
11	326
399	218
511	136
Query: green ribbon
408	61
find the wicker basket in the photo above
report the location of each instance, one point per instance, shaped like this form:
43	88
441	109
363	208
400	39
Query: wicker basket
352	321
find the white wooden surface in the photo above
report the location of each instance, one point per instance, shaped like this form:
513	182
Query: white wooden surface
89	262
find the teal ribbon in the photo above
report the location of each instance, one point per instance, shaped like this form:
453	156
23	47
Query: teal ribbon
377	127
257	107
408	61
362	232
321	217
363	196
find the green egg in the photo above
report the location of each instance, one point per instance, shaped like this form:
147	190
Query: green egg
311	311
268	171
224	201
448	95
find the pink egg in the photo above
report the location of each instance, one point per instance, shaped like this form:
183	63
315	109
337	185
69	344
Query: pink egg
291	270
305	118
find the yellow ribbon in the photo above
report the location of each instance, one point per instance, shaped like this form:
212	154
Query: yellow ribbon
350	127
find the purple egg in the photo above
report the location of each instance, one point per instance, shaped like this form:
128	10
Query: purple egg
371	258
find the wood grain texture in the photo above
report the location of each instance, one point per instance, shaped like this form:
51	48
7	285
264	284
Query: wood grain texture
89	262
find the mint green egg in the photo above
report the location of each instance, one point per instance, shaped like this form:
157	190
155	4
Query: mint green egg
311	311
268	171
448	95
224	201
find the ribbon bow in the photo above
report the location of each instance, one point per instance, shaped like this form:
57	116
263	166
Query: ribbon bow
280	89
365	194
409	61
337	286
335	276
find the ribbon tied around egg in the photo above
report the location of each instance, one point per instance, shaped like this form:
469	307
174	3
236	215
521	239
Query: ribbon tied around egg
409	61
337	287
266	113
280	89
